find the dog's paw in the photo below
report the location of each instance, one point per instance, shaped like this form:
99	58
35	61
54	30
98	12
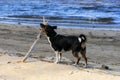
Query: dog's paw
56	62
76	65
85	66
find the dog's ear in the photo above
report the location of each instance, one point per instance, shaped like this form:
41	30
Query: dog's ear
42	25
54	27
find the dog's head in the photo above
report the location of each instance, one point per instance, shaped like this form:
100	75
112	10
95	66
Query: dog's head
47	29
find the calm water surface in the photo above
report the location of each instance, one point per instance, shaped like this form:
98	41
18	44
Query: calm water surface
99	14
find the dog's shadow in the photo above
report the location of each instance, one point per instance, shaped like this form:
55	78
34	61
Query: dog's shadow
65	61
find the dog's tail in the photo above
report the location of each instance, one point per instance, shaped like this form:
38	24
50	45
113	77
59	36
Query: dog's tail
83	38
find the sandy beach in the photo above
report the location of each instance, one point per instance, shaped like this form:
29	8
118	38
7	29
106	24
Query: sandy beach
103	48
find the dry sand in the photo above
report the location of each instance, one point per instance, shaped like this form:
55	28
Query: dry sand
103	47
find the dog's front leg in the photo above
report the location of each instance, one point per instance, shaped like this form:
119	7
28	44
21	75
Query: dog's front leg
57	57
60	56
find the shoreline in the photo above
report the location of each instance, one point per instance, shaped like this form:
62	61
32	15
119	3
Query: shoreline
33	25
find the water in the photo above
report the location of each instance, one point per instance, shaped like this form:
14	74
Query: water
99	14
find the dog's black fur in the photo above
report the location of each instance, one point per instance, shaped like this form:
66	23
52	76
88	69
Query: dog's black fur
60	42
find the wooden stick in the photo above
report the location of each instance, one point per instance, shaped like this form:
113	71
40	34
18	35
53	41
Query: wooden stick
45	22
31	48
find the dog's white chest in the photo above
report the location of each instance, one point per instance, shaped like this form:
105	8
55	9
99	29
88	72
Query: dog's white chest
49	42
79	39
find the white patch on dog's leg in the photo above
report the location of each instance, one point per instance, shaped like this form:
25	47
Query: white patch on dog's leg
57	57
60	56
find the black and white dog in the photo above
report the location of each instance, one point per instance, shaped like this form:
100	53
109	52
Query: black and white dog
60	42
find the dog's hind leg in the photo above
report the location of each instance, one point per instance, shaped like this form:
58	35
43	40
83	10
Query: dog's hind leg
83	53
77	57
